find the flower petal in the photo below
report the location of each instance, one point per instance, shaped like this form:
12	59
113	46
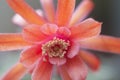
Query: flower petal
43	71
15	73
82	11
12	41
64	73
102	43
26	11
86	29
49	9
32	33
20	21
17	19
76	69
92	61
49	29
74	49
57	61
64	11
29	56
63	31
39	12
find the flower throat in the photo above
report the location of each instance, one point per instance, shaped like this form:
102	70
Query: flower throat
55	47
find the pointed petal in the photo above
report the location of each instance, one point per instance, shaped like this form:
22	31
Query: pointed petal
76	69
64	11
63	31
32	33
84	8
49	29
15	73
86	29
49	9
43	71
23	9
20	21
63	73
102	43
92	61
29	56
12	41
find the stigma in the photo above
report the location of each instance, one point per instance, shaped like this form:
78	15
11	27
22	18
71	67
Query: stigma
56	47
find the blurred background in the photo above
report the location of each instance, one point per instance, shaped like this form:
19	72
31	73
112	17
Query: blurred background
106	11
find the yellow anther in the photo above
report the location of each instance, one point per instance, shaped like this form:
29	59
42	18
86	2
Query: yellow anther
55	47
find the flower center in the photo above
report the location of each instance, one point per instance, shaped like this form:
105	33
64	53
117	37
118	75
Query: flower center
55	48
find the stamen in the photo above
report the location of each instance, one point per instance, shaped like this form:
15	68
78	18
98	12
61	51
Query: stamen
55	48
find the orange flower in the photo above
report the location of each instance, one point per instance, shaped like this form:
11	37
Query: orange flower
59	39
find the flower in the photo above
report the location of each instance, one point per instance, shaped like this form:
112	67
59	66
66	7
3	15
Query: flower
55	39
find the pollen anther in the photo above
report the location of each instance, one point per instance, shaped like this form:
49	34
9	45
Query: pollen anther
56	47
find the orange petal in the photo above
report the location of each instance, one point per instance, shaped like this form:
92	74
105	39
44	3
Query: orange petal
86	29
76	68
64	11
82	11
102	43
43	71
32	33
19	20
49	29
29	56
49	9
23	9
92	61
15	73
12	41
63	31
64	73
